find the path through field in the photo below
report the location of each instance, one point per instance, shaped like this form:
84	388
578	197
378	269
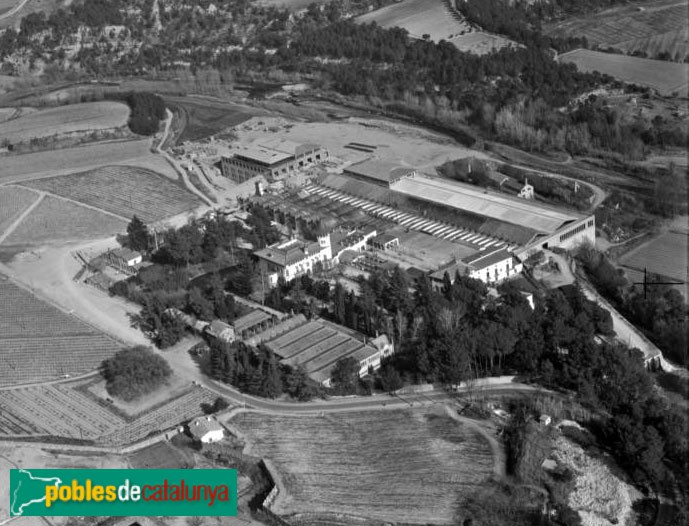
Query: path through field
14	10
11	228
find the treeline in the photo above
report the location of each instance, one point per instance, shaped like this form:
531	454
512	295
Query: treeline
62	23
660	311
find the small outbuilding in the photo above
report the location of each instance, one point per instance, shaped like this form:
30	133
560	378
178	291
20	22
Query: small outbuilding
206	430
545	420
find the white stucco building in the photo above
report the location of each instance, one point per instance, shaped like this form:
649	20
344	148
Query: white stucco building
206	430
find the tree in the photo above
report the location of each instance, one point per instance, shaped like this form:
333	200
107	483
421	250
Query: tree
390	379
199	306
345	375
134	372
137	235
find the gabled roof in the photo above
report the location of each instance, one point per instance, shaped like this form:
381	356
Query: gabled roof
288	253
217	327
201	426
250	320
485	259
379	170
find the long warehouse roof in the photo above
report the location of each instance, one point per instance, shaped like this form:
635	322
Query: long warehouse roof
488	204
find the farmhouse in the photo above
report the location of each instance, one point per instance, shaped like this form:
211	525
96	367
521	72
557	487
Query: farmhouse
378	172
272	160
318	345
123	259
206	430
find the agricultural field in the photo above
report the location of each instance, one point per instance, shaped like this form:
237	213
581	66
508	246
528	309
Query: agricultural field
419	17
54	410
55	220
199	118
122	190
161	455
73	118
665	255
9	18
667	78
659	27
410	466
39	342
13	201
27	166
167	415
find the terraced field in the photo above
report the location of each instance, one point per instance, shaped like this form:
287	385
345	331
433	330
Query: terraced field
122	190
40	342
55	220
172	413
55	410
13	201
407	466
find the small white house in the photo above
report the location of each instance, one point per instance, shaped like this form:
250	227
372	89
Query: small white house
206	430
545	420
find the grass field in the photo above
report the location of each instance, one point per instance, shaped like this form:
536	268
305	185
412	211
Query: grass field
48	163
122	190
201	118
40	342
660	27
13	201
55	220
665	77
65	119
418	17
665	255
407	466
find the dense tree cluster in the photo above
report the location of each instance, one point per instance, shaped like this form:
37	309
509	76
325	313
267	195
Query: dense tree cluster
135	372
191	272
660	310
257	371
146	112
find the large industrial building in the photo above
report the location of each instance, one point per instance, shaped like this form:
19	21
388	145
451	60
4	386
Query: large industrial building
536	225
318	345
463	213
272	160
378	172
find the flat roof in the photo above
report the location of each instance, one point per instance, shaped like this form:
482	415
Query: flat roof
485	203
379	170
263	155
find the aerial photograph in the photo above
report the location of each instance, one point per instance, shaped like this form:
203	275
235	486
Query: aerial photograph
344	262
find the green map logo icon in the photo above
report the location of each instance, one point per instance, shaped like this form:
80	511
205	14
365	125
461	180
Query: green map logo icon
27	490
